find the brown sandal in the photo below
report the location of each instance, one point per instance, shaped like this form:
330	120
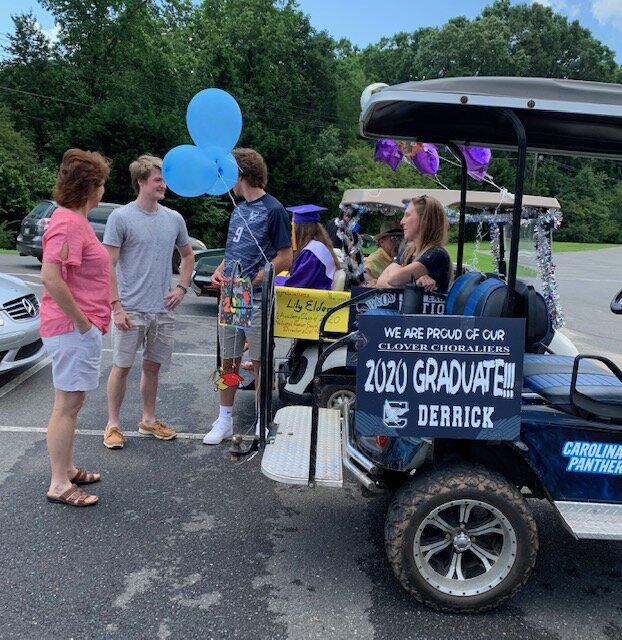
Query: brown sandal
74	497
85	477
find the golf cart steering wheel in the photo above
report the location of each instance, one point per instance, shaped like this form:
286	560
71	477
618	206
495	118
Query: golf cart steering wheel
616	303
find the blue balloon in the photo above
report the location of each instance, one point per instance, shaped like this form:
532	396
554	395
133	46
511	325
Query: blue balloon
188	171
214	121
228	172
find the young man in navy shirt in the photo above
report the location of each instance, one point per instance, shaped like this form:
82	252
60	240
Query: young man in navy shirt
259	232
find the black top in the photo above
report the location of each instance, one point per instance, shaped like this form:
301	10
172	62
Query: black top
438	263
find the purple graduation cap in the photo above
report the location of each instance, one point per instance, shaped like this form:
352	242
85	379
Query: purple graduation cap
306	213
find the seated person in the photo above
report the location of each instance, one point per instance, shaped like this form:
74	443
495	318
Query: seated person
315	262
389	240
424	259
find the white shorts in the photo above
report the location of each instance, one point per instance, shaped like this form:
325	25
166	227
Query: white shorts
76	359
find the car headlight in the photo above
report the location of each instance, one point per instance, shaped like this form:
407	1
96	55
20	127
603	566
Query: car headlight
197	245
1	320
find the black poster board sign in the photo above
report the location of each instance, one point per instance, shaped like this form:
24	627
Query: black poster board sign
439	376
391	300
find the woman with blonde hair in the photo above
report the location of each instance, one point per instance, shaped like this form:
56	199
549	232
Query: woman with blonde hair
424	260
75	313
315	262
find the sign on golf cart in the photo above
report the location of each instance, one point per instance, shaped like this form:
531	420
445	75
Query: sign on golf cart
442	376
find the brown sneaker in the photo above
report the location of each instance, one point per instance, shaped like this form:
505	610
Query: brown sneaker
158	430
113	438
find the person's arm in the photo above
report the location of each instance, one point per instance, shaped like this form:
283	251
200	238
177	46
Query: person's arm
396	275
175	296
427	282
52	280
282	261
217	277
119	315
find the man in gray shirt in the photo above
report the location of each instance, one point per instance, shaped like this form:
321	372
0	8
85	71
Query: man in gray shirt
140	238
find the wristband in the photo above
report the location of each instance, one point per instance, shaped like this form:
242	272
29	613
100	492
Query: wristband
181	286
114	302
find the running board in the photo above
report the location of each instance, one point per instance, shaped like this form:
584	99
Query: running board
592	520
286	459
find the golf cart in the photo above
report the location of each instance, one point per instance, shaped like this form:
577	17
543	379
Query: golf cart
491	210
453	415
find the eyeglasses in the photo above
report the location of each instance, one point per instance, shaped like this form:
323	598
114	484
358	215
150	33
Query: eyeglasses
395	239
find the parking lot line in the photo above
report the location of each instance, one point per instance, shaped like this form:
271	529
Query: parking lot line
92	432
22	377
100	432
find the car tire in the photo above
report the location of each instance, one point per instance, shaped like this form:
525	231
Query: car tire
461	538
176	260
335	396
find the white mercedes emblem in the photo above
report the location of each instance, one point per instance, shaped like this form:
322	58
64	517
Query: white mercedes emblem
31	310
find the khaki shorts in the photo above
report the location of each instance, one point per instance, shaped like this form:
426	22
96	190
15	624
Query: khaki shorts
76	359
232	339
153	332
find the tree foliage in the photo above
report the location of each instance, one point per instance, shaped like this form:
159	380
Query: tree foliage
121	74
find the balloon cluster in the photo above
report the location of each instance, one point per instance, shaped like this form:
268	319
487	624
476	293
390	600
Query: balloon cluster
214	122
425	157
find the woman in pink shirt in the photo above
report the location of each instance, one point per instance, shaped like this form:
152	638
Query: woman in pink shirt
75	313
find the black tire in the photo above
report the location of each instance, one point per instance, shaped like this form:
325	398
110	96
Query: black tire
334	396
176	260
452	575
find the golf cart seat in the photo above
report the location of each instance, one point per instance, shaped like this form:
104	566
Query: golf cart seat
576	385
482	295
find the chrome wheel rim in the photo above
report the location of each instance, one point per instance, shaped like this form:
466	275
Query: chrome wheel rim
340	398
465	548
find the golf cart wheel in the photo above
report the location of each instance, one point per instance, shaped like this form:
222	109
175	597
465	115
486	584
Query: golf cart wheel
335	396
461	538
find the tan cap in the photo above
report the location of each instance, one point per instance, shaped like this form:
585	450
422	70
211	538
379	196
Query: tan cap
389	228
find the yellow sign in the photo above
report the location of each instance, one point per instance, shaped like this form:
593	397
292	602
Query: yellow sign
300	311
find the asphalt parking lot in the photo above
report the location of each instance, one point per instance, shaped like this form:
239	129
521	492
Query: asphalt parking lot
187	544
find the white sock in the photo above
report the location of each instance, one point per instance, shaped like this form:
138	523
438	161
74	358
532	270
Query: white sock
226	413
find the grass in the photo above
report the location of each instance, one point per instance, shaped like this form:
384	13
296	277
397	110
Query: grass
12	252
559	247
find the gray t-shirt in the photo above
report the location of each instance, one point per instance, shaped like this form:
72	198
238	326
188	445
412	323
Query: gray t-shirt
146	242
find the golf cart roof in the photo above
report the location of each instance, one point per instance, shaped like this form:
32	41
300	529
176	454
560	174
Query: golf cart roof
449	198
570	117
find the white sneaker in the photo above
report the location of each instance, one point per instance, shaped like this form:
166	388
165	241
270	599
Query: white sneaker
221	430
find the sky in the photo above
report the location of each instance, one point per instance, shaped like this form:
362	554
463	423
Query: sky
364	22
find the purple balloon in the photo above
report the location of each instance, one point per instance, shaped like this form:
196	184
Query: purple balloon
388	152
477	161
426	160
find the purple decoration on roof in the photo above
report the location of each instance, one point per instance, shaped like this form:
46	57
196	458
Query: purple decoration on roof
477	160
426	160
388	152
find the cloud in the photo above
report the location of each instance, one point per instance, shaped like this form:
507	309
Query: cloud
50	34
566	7
608	12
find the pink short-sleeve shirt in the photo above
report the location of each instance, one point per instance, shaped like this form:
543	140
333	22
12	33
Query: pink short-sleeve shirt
86	270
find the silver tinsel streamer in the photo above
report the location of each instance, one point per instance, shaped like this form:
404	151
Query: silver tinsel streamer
544	259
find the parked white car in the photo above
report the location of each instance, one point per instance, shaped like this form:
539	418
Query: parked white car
20	342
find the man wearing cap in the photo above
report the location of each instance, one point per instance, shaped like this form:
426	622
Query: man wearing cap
259	232
315	263
389	240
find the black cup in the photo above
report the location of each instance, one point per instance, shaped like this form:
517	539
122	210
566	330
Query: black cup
412	301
